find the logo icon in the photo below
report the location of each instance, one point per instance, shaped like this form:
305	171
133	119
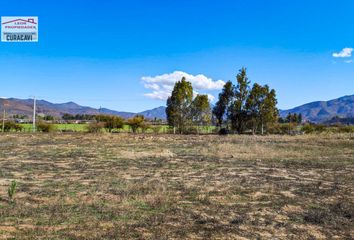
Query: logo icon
19	29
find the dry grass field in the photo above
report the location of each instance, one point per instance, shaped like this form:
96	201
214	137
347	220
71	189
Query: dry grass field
121	186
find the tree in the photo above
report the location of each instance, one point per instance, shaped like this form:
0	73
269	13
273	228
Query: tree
136	122
261	107
269	112
111	122
178	106
223	103
48	118
237	110
254	104
200	110
299	119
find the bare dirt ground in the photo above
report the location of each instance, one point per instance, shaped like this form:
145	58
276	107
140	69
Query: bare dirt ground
120	186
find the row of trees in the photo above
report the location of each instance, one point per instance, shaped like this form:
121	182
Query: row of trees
183	111
291	118
239	108
110	122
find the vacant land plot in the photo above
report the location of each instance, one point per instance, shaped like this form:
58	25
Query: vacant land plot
120	186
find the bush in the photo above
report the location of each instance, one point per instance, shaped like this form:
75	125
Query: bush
45	127
308	128
110	122
346	129
224	131
12	126
95	127
190	130
136	122
156	129
320	128
145	127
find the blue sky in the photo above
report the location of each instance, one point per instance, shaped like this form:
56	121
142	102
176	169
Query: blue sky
96	53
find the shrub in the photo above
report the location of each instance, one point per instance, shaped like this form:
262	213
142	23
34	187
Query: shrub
308	128
110	122
346	129
45	127
145	127
95	127
320	128
224	131
9	126
190	130
136	122
156	129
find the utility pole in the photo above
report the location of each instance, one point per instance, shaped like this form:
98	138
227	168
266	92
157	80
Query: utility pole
34	115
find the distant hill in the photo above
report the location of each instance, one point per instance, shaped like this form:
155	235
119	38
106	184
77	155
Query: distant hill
159	112
323	111
25	107
339	120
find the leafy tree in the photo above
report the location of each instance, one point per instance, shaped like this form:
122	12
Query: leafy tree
223	103
269	112
294	118
19	116
178	105
261	107
68	116
111	122
254	106
200	110
237	110
48	118
136	122
299	119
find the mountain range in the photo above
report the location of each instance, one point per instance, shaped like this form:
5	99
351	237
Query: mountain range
25	107
320	111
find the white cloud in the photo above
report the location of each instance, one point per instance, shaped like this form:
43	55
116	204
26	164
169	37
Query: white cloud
345	53
348	61
162	85
211	97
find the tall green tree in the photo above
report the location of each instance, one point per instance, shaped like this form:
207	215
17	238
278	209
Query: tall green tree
261	107
269	112
178	106
254	104
201	111
222	105
237	111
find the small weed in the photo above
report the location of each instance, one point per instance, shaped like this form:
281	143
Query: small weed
11	191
